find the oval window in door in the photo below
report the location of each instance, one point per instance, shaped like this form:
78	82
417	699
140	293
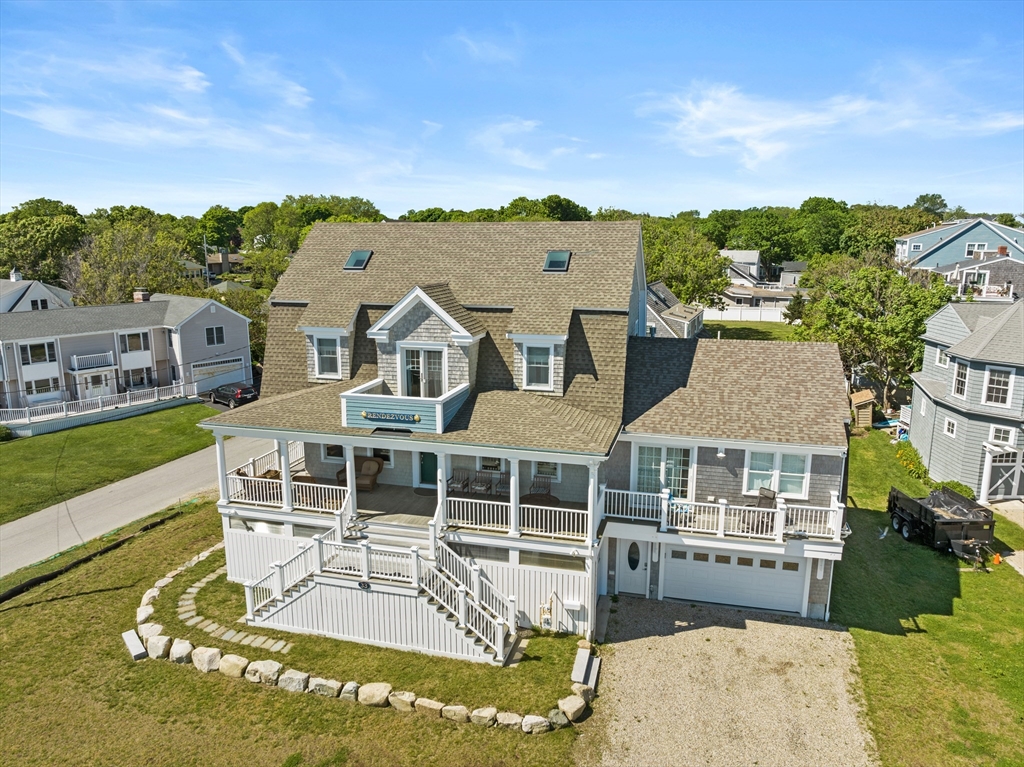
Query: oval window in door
633	556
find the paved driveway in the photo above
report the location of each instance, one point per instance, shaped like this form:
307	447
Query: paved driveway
701	685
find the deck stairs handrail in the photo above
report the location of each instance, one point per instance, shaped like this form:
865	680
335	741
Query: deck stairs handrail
469	576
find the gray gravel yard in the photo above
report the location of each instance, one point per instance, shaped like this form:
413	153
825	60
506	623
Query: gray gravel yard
701	685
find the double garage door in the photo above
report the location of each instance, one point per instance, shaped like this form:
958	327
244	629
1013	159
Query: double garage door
210	375
734	578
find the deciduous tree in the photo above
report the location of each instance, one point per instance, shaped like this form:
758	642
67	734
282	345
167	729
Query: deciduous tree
685	260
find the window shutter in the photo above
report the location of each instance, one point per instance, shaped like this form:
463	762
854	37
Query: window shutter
124	344
25	359
145	341
51	351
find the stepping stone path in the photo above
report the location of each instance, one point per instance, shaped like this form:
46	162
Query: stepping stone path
187	613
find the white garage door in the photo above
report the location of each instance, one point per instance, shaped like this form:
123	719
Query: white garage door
209	375
734	578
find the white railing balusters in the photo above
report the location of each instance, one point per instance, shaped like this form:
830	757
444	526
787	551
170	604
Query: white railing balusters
632	505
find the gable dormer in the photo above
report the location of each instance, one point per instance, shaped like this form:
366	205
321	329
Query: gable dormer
427	343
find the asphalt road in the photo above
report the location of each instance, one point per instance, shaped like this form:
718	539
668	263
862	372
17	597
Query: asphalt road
39	536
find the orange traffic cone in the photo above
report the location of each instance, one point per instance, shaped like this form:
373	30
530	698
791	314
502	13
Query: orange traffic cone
997	559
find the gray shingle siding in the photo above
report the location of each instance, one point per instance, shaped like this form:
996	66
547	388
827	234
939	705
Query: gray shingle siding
817	594
421	324
720	477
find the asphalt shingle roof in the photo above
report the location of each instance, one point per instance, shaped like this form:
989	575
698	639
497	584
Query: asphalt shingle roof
1001	339
974	314
771	391
441	294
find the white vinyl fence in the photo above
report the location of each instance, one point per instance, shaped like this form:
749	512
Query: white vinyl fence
95	405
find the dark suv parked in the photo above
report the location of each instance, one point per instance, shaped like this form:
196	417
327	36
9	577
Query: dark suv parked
234	394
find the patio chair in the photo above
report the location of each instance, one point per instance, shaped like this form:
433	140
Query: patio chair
459	481
765	499
482	482
502	486
368	469
541	485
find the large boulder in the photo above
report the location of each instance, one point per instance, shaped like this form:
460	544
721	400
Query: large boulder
350	691
458	714
374	694
557	719
431	708
143	614
585	691
485	717
326	687
402	701
206	659
534	725
181	651
147	630
149	597
263	671
509	719
158	646
233	666
573	707
164	582
293	681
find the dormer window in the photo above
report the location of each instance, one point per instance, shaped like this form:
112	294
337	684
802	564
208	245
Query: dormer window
357	260
557	261
538	367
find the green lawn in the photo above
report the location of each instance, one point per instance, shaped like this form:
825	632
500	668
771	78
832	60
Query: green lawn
37	472
752	331
72	696
940	648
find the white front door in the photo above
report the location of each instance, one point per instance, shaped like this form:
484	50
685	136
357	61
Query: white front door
632	567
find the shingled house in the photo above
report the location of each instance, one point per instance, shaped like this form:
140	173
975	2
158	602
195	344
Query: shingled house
472	434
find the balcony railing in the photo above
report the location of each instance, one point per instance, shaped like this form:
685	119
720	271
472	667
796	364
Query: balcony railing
269	492
725	520
92	361
108	402
370	406
496	516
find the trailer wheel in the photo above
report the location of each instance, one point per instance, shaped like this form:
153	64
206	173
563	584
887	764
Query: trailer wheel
896	522
906	532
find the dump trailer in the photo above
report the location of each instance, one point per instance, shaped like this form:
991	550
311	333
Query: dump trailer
945	520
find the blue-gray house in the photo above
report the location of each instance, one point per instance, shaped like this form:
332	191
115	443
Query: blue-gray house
955	241
968	406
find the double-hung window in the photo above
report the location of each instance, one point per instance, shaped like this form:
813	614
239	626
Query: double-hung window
760	472
327	357
138	342
998	383
960	381
537	361
42	386
423	372
35	354
215	336
975	249
42	303
941	358
785	473
1001	435
332	453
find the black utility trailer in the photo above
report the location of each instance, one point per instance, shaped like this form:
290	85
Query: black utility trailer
945	520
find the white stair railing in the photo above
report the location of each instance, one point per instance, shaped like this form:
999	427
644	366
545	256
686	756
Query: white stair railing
468	576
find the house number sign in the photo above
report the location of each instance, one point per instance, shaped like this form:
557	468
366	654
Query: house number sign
376	415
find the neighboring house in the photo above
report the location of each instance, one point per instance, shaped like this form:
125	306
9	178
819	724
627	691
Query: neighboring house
222	263
792	271
953	241
770	295
192	270
968	401
667	317
86	352
473	434
746	267
230	286
997	278
18	295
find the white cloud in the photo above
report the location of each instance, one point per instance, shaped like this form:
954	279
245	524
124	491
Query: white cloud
260	75
495	139
430	127
487	50
26	71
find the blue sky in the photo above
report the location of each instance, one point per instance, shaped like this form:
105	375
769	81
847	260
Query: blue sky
650	107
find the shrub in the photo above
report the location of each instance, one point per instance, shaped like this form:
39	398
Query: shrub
956	487
6	435
910	459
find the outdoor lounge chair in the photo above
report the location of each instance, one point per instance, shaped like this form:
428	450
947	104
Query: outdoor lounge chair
765	499
541	485
502	486
459	481
482	482
367	471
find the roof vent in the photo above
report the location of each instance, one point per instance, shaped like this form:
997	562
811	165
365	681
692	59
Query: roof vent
557	261
357	260
15	275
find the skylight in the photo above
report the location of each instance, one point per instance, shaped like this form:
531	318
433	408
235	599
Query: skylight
557	261
357	260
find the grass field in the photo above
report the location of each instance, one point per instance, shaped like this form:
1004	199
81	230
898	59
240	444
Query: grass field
940	648
752	331
37	472
72	695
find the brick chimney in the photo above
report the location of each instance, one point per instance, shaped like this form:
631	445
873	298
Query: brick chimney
140	295
1002	250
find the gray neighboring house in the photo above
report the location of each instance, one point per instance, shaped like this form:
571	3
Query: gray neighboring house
18	295
968	401
668	317
953	241
86	352
998	278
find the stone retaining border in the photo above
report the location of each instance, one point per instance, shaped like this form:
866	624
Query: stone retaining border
272	673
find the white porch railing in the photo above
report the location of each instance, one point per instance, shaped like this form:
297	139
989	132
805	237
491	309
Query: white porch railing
257	491
312	496
632	505
480	515
553	522
81	362
107	402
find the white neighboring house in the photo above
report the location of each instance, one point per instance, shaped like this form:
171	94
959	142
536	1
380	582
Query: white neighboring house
471	433
18	295
86	352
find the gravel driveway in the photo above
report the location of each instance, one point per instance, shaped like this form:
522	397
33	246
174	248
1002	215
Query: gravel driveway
702	685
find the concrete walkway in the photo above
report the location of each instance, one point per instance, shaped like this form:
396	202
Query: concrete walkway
39	536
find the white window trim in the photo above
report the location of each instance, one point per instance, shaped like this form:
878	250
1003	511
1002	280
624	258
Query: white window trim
324	458
316	356
939	351
967	379
916	247
663	471
1012	442
214	329
1009	392
551	366
390	463
555	480
502	462
924	405
432	346
978	246
945	428
776	472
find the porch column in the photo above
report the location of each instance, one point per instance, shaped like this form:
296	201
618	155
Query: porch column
222	473
442	486
513	497
986	478
592	491
350	479
286	474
